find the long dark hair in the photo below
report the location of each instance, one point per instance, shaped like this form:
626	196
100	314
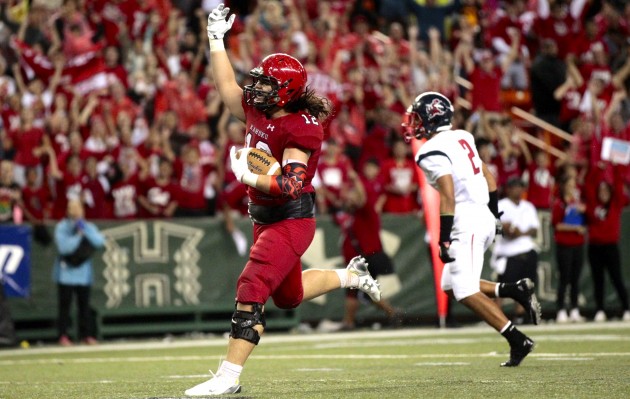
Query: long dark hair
319	107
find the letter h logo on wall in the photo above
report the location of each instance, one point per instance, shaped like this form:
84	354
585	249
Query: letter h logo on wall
132	265
15	260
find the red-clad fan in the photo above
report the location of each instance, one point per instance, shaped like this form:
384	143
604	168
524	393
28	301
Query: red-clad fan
36	197
560	22
115	71
361	236
96	201
400	177
540	181
10	112
125	189
192	177
333	170
567	218
28	142
68	183
158	196
604	204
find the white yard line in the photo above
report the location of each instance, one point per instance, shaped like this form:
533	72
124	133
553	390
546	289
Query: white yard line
274	338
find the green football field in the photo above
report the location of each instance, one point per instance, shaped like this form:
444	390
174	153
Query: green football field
571	361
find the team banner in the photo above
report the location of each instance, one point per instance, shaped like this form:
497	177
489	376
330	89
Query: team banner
15	260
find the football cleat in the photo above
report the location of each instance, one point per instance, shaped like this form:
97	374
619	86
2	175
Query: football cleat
526	296
517	354
219	384
367	284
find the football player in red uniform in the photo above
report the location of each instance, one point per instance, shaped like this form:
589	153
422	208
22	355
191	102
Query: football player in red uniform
282	117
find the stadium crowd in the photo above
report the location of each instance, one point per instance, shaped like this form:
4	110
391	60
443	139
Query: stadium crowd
114	102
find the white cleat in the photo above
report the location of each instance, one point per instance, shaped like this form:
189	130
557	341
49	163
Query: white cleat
367	284
219	384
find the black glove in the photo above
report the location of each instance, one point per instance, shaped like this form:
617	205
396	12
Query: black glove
498	226
444	255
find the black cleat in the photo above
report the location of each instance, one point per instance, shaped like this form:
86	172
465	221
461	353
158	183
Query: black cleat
526	296
517	354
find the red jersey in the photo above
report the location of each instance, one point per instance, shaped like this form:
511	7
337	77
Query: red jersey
296	130
97	205
539	186
604	220
400	177
158	194
486	89
68	187
192	183
24	143
565	213
36	200
124	194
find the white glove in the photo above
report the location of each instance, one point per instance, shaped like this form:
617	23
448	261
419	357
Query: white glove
217	25
239	166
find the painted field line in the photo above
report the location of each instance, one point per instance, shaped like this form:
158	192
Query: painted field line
286	338
149	359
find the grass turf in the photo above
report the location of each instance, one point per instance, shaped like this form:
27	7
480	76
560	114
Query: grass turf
576	361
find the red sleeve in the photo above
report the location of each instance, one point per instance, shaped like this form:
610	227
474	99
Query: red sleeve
304	131
557	213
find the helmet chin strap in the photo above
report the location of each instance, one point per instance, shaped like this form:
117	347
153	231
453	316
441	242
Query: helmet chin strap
443	128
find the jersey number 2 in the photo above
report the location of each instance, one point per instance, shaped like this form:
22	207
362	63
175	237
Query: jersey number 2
471	155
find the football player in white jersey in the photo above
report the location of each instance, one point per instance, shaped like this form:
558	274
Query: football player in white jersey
468	218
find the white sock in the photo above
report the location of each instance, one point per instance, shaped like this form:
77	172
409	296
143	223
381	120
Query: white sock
348	280
496	290
505	327
230	369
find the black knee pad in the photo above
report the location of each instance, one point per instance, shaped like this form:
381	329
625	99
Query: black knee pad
243	323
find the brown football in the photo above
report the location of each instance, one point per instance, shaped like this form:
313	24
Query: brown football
260	162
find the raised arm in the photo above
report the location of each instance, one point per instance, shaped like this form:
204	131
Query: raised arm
224	76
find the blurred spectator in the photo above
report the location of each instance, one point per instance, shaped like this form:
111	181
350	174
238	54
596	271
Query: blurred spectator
361	236
11	203
515	255
76	240
95	191
400	179
547	73
538	177
431	14
333	169
567	218
158	196
604	204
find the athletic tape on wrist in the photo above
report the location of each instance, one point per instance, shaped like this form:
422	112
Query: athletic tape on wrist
250	179
216	45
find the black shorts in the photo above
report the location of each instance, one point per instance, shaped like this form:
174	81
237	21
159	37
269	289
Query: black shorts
520	266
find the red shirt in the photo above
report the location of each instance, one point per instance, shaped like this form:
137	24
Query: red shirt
36	200
160	195
486	89
559	214
191	180
96	203
124	194
540	185
24	142
296	130
400	175
604	220
66	188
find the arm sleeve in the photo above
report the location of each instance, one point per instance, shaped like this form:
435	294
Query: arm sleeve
94	235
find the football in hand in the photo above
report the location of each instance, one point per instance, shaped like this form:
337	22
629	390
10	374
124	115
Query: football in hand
260	162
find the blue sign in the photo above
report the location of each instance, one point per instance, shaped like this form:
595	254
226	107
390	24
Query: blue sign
15	260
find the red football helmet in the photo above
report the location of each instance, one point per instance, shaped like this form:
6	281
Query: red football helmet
285	75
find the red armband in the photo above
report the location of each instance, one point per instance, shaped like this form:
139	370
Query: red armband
289	184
